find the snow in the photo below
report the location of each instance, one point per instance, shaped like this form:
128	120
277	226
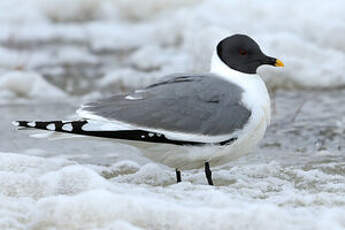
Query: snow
27	85
77	10
54	193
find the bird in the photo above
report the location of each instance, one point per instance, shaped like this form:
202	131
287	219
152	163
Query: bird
186	121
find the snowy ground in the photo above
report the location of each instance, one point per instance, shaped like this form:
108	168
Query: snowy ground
54	57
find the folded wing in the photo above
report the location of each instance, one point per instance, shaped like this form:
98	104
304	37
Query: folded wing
203	105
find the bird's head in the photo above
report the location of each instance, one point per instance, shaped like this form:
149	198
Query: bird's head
242	53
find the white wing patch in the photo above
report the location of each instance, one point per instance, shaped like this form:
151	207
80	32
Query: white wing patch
131	97
98	123
32	124
95	125
67	127
51	127
15	123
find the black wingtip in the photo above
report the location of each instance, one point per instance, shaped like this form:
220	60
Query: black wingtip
24	124
47	125
76	127
57	125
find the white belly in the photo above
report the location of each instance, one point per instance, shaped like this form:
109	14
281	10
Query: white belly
192	157
245	143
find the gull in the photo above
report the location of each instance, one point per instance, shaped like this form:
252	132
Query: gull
186	121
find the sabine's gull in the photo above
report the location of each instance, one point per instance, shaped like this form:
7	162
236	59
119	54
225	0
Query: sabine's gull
187	121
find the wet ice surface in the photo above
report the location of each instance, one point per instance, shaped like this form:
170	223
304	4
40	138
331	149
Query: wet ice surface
297	176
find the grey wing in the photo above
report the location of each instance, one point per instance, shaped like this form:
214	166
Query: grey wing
199	104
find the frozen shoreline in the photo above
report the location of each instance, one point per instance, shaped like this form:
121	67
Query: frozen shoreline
41	193
104	185
116	46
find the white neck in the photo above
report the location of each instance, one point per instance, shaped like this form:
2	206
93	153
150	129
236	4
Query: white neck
255	97
220	68
255	92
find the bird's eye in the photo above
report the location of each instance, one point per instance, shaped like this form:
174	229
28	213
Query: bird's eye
243	52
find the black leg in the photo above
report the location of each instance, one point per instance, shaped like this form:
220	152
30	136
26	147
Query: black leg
208	173
178	176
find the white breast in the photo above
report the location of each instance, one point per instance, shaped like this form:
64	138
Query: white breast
255	92
255	97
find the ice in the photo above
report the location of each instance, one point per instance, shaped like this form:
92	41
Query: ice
121	168
43	193
20	12
28	85
149	9
77	10
119	78
132	43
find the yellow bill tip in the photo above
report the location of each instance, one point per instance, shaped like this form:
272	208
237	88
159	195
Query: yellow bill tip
279	63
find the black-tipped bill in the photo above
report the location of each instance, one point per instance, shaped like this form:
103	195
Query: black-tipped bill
273	61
